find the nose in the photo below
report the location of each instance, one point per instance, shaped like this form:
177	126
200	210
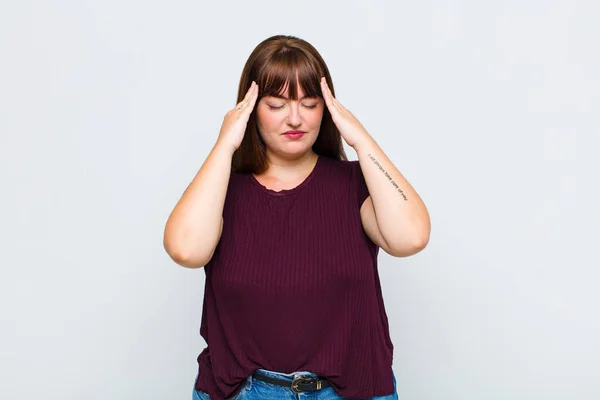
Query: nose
294	118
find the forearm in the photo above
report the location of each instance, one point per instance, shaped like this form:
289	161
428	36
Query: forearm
401	215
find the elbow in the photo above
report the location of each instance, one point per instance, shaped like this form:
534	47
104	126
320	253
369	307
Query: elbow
421	235
184	259
191	263
409	248
406	250
420	245
422	241
188	261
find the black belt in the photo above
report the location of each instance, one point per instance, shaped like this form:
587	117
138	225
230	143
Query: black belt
299	384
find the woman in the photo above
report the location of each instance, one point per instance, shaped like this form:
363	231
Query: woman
288	231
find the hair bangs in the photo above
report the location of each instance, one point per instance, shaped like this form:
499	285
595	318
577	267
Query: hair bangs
286	67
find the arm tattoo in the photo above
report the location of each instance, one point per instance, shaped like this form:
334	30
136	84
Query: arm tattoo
388	176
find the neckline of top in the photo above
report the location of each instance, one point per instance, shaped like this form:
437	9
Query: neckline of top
287	192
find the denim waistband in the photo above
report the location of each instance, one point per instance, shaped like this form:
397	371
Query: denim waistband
282	375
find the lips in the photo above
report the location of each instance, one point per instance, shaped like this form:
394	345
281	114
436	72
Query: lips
294	132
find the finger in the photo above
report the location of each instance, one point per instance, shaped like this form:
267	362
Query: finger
250	101
331	101
326	93
334	101
253	98
248	93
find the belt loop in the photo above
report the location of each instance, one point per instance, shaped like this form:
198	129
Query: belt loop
249	383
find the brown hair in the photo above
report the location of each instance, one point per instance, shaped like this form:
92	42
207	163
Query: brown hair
276	61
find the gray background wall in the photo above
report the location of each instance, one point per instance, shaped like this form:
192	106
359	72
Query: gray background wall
490	109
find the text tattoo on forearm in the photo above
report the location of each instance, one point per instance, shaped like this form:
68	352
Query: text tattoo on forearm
388	176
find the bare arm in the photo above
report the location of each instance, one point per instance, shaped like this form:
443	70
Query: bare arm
194	227
398	211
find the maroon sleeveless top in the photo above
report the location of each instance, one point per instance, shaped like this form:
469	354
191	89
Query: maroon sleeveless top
293	286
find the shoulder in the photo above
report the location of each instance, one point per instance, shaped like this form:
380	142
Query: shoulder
344	167
237	178
236	185
341	172
350	168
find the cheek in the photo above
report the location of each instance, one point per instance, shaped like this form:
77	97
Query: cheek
315	118
267	120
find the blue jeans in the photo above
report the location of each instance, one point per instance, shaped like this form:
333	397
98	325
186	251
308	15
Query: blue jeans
255	389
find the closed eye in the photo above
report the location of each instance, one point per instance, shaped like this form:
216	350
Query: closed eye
280	107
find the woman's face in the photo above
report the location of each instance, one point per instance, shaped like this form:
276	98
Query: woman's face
276	115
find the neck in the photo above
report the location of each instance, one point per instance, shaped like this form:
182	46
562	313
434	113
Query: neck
285	167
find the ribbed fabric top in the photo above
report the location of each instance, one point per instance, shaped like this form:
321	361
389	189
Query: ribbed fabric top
293	286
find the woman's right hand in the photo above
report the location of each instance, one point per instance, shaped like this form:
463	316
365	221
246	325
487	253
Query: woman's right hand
235	121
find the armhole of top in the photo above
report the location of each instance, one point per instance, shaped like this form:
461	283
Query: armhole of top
362	191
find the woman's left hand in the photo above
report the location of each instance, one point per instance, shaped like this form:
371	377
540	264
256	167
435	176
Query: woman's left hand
350	128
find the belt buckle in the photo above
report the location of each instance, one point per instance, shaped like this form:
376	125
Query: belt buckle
297	380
